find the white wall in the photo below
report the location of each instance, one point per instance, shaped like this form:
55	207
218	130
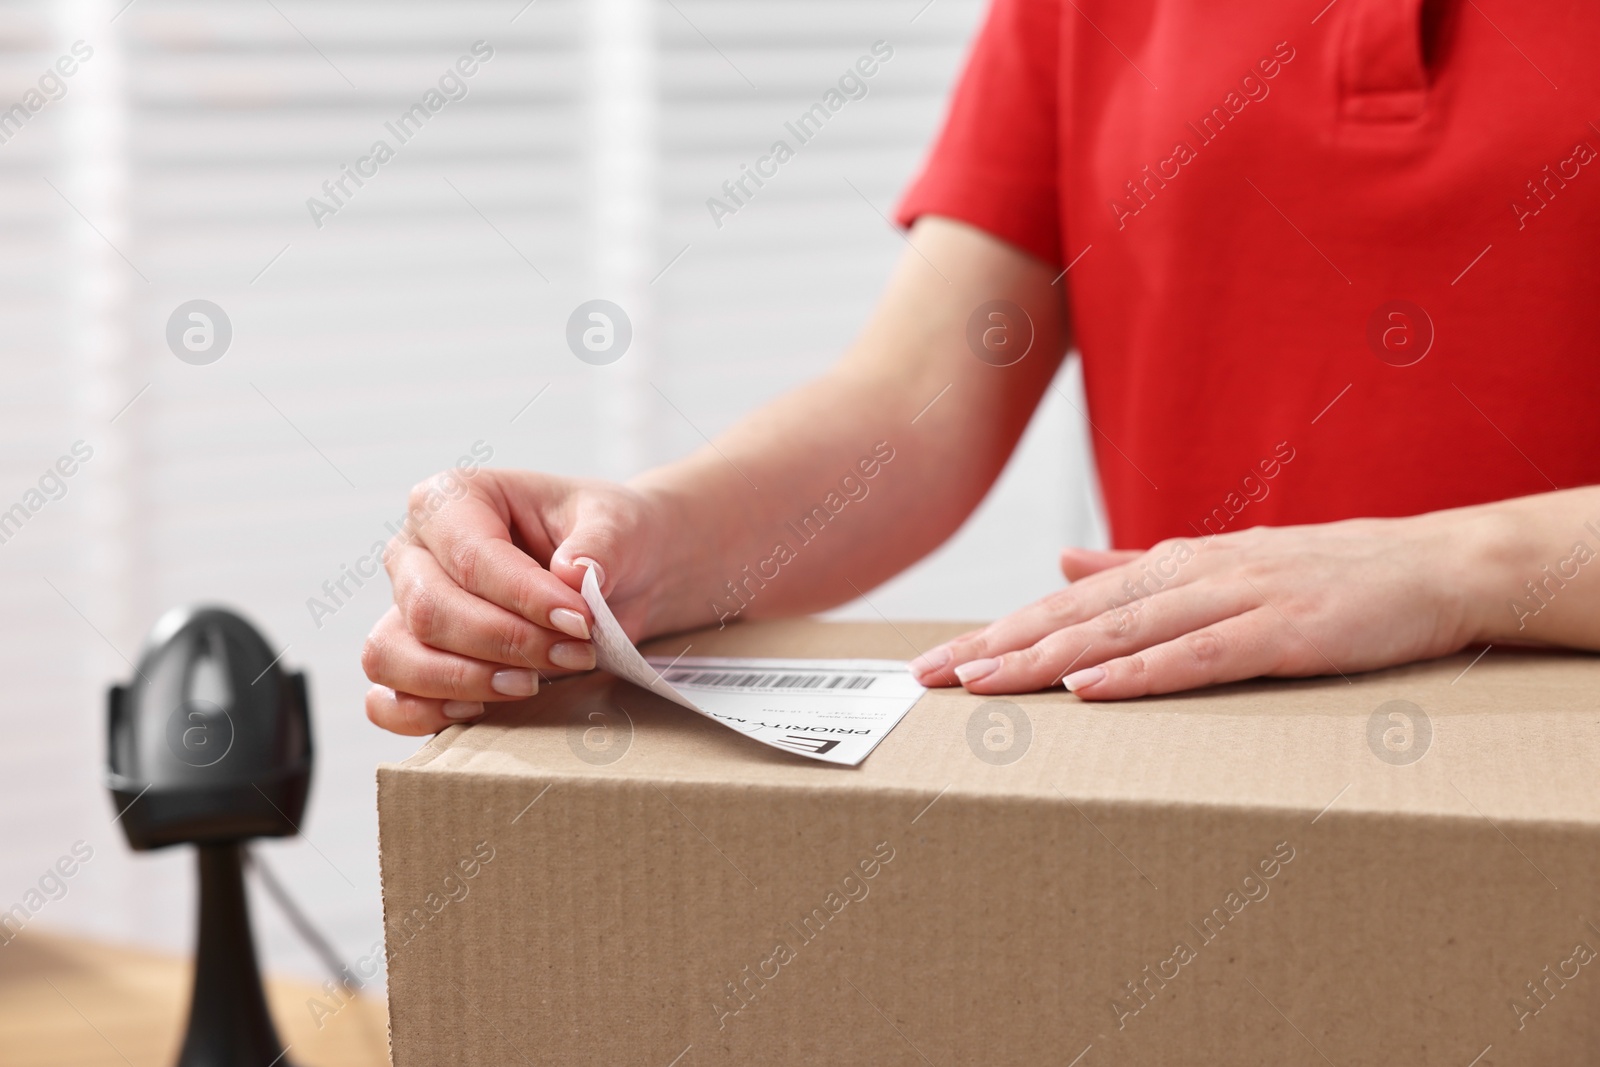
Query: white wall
418	319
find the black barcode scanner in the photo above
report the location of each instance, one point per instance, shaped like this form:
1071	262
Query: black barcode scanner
210	745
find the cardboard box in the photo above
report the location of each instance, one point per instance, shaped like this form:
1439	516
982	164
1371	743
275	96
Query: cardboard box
1400	868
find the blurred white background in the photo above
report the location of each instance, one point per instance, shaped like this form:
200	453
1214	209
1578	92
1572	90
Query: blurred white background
420	319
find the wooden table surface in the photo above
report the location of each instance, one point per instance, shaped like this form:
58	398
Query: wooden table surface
70	1002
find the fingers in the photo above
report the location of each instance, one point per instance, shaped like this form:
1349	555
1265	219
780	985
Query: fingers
1081	562
594	538
942	665
477	618
1119	632
415	716
472	542
949	663
394	657
442	615
1243	646
1136	581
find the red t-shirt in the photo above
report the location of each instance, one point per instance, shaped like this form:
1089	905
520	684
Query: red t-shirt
1245	191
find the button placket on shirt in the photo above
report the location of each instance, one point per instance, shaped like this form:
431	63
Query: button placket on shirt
1383	68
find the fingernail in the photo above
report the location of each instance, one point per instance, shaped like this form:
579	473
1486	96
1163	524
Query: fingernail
573	655
1086	677
931	660
514	683
599	571
571	623
973	670
462	709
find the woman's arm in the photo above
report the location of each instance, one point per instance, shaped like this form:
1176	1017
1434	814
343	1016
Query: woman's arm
911	386
1300	600
826	491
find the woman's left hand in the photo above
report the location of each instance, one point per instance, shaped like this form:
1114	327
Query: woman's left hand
1281	601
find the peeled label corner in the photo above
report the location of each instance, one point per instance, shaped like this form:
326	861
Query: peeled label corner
833	710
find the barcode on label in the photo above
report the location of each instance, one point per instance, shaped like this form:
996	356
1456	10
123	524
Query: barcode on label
768	680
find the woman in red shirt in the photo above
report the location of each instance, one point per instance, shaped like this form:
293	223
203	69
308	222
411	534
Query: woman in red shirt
1331	273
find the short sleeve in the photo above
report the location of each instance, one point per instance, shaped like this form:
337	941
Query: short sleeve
994	165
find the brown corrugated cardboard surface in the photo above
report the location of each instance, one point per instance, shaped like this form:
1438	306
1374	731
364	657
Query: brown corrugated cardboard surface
650	874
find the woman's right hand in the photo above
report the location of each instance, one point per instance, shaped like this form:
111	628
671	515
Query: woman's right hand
486	579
